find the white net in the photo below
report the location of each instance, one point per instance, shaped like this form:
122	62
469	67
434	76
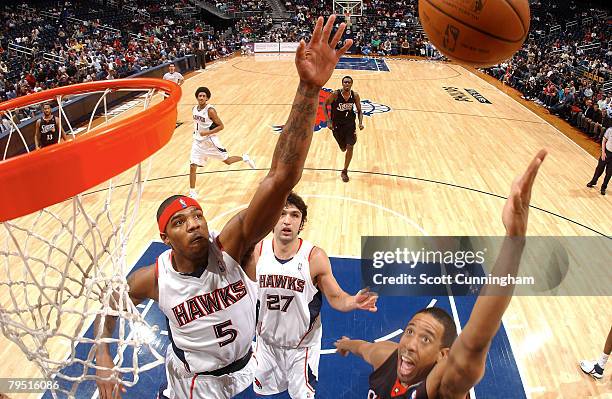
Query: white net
65	264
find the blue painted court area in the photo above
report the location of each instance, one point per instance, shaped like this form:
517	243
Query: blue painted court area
339	377
363	64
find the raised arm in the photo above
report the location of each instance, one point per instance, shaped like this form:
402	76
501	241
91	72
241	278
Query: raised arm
336	296
466	359
315	63
143	285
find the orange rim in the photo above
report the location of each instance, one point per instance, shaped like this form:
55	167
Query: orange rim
41	178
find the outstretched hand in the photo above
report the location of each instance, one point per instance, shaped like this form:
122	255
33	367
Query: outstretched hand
316	60
342	346
366	300
516	210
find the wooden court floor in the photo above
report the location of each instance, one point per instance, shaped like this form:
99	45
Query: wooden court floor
432	165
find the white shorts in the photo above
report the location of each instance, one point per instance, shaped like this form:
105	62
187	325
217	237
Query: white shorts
209	147
281	369
185	385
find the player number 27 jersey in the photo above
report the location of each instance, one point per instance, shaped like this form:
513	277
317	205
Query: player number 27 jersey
289	303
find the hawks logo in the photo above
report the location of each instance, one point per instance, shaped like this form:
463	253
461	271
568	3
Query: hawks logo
368	108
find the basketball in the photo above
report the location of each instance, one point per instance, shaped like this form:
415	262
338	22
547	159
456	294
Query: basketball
476	32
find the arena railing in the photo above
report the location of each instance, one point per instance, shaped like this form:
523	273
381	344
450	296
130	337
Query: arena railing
78	109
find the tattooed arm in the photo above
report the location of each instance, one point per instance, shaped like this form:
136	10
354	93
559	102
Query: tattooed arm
315	63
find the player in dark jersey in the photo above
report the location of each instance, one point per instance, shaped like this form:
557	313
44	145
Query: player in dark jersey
342	120
431	361
48	129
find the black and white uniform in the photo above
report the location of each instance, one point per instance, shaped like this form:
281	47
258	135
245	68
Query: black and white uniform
47	135
343	119
384	383
205	147
289	324
211	325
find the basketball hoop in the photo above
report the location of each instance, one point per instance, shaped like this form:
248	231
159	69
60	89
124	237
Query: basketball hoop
63	254
33	181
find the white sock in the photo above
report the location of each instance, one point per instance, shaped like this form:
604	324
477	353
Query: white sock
603	359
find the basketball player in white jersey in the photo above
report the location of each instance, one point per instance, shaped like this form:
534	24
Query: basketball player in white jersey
205	283
292	275
206	144
174	76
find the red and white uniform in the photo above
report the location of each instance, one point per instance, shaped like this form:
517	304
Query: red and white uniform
211	324
205	147
289	324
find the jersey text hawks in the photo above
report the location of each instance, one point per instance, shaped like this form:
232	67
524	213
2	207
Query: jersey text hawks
203	305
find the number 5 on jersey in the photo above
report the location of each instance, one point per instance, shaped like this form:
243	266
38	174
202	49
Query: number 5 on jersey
221	331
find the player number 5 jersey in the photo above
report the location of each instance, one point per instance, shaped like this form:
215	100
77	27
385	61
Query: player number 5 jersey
289	303
211	318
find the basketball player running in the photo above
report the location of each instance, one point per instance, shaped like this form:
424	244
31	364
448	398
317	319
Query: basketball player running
428	362
595	368
292	273
48	129
206	295
342	120
206	144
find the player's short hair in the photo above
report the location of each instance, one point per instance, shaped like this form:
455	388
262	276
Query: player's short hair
347	77
202	90
450	330
46	105
298	202
164	205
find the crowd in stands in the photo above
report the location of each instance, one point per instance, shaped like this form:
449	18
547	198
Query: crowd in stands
561	66
83	41
383	28
564	64
243	6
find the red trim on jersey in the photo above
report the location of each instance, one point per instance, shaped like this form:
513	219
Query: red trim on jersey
298	250
261	243
310	253
192	385
219	243
256	347
157	268
398	389
307	332
306	372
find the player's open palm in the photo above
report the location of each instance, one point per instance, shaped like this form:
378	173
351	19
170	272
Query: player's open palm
516	210
316	60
